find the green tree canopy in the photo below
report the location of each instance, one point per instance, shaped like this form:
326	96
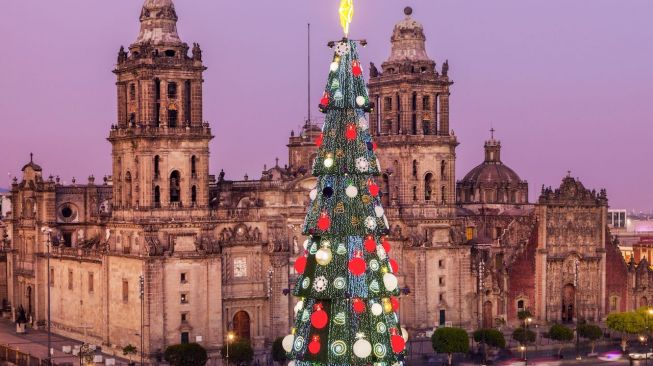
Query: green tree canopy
491	337
450	341
278	353
523	335
562	334
590	332
239	351
524	314
188	354
626	322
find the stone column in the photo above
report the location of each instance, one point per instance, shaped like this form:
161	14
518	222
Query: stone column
280	316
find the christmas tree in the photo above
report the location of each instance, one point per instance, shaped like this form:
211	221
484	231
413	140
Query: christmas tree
347	311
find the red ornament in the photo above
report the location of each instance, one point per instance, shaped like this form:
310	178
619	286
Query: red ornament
318	140
395	303
370	244
373	188
319	318
374	145
357	264
398	343
386	245
314	346
356	68
325	99
300	264
324	222
351	132
359	305
393	265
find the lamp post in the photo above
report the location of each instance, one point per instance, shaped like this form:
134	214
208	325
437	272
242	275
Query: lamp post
48	231
481	286
576	263
141	283
230	337
527	321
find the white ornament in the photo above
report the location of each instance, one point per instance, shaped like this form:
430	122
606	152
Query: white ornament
404	334
385	221
378	165
342	48
380	252
360	100
320	284
299	306
370	223
292	363
363	124
288	342
362	165
362	348
313	194
390	281
328	162
334	66
306	244
378	210
377	309
351	191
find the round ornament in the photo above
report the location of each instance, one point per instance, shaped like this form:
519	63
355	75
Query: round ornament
325	99
377	309
362	348
387	306
342	250
287	342
300	264
380	252
334	66
335	84
358	305
370	244
312	194
319	140
328	161
386	245
298	307
320	284
356	68
351	191
324	222
315	346
324	256
327	192
319	318
350	132
390	281
305	282
339	283
299	343
374	286
398	343
380	327
379	350
373	188
370	223
363	124
337	96
357	266
360	100
339	348
393	265
395	303
374	265
362	164
378	211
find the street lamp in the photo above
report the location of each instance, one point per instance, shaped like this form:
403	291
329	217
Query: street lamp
48	231
527	322
230	338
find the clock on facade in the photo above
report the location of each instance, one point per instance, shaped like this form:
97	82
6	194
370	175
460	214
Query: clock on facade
240	267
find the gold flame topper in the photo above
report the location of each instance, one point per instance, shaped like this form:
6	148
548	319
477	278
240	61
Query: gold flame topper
346	14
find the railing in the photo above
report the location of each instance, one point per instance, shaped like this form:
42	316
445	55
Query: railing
145	130
20	358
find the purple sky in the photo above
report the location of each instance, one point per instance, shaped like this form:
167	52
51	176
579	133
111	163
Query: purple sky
567	84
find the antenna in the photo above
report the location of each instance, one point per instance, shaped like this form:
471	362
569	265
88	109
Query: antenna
308	105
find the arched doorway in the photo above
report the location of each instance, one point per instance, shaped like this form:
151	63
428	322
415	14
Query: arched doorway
242	325
568	303
487	314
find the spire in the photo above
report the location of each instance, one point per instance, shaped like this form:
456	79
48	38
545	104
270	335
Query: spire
408	40
158	23
493	149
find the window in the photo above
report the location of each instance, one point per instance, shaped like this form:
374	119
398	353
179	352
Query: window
414	103
51	276
441	297
184	317
183	298
441	281
90	281
70	279
172	90
175	188
428	187
170	53
185	338
414	193
193	166
414	168
188	106
132	92
470	233
173	118
157	196
426	103
613	303
67	239
520	306
387	103
444	195
441	263
193	194
443	317
157	171
125	291
182	277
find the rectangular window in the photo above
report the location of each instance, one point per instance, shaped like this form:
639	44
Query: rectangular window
443	317
184	317
469	233
441	297
441	281
387	103
51	276
125	291
90	282
184	298
441	263
185	338
132	92
70	279
172	90
182	277
426	103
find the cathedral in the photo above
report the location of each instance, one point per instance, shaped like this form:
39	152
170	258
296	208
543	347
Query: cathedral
164	249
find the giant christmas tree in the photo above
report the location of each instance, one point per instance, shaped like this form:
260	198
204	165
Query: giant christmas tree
347	311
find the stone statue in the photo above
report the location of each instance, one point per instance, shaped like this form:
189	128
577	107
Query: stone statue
122	55
445	68
221	176
374	72
197	52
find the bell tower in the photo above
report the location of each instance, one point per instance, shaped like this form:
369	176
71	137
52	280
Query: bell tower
160	142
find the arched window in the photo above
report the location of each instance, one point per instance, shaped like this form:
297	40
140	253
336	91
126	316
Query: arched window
175	187
242	326
132	119
414	168
172	90
157	196
193	195
157	171
132	92
428	186
443	170
128	190
414	193
193	166
157	97
520	306
385	196
444	195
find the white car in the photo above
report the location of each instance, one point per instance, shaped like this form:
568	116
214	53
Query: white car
641	356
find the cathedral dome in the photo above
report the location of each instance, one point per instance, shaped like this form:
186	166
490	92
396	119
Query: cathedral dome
408	40
492	181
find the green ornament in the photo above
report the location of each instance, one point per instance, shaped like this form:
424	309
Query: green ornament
340	319
374	286
342	250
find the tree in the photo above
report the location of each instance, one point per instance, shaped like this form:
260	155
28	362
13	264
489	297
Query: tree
524	314
523	336
129	351
626	323
561	333
278	353
187	354
590	332
239	351
491	337
450	341
347	314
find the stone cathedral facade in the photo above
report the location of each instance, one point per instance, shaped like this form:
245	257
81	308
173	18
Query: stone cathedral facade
216	255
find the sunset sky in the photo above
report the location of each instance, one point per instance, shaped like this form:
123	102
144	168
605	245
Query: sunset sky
568	85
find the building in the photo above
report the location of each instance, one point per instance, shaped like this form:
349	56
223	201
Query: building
211	255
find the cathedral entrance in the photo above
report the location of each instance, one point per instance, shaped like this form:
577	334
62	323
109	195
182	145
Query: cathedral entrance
568	303
241	325
487	314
